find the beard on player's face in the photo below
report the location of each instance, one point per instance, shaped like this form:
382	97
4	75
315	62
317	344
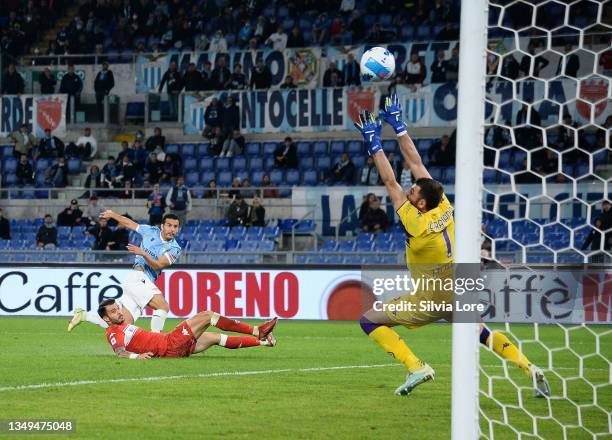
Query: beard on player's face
169	230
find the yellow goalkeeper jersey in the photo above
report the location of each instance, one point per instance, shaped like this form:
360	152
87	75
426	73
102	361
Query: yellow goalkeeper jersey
431	237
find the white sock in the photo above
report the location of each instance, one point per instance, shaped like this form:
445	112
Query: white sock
223	340
158	320
94	318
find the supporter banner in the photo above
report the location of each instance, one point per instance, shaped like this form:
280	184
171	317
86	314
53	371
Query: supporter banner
302	64
195	106
304	110
509	296
37	111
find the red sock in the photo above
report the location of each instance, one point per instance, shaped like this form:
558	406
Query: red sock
231	325
239	341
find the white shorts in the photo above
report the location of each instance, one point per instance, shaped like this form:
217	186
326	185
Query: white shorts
138	291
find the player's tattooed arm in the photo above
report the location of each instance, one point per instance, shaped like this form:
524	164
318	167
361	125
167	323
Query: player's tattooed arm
159	264
124	221
122	353
412	156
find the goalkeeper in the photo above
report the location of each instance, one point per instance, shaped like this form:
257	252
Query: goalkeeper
427	217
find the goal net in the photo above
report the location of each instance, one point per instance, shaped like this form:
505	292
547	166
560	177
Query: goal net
546	181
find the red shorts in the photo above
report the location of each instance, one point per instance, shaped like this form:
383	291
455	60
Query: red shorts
181	341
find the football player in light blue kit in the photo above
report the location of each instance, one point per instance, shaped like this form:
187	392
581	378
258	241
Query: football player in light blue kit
157	251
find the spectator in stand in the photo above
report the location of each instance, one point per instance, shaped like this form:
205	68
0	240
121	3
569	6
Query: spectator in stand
375	219
331	73
121	238
156	203
193	79
238	212
5	227
285	156
245	33
128	190
369	173
278	40
343	171
440	153
206	76
170	170
257	214
216	142
405	177
247	193
268	191
415	71
156	141
234	145
50	146
448	33
87	145
261	29
235	187
12	82
47	82
92	212
109	172
539	62
510	67
438	68
94	178
179	200
71	85
261	77
288	84
153	168
145	190
452	65
139	156
57	175
365	205
377	35
211	192
237	80
230	117
127	171
568	64
71	216
24	141
102	234
172	77
395	162
25	172
218	44
212	118
356	27
103	84
47	233
220	75
352	75
320	29
125	152
295	38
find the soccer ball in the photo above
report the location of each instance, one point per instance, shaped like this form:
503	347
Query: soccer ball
377	63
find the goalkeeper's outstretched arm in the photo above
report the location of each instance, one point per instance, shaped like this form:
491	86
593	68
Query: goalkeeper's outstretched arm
392	113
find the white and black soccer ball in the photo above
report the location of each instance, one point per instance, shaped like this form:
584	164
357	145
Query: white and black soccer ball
377	64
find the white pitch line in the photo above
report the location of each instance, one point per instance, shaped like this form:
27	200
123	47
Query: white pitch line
188	376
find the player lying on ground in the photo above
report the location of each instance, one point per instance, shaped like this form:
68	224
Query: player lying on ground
158	250
427	216
187	338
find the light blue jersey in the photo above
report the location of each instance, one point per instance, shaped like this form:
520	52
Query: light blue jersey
153	244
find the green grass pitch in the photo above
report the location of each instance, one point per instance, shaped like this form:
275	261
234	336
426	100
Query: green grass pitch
313	396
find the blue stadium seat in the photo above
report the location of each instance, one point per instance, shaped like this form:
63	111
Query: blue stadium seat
337	147
449	175
224	179
329	245
202	149
271	232
268	163
255	233
239	163
207	164
192	178
9	165
256	164
436	172
190	164
249	246
222	164
7	151
303	148
423	33
305	226
355	147
266	246
310	178
323	163
277	177
172	149
320	147
135	110
269	147
187	150
257	177
407	33
389	145
215	246
306	162
9	179
207	176
253	149
292	177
